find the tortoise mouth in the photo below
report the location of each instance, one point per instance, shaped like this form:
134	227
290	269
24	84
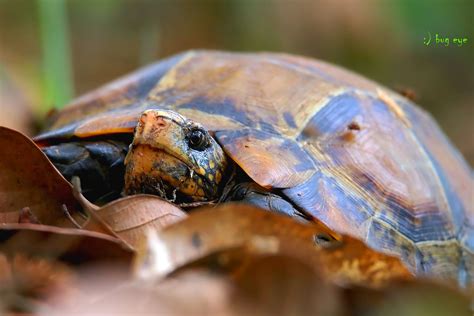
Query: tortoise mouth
179	179
193	171
159	172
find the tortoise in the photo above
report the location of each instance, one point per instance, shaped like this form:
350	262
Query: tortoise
287	133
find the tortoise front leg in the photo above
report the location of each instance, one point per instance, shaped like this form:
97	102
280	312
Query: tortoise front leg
99	165
256	195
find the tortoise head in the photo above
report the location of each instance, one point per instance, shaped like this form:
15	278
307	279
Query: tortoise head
173	157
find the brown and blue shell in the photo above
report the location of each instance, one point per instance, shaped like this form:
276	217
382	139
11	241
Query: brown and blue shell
362	159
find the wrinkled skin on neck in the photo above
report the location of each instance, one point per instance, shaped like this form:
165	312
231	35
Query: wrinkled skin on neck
175	158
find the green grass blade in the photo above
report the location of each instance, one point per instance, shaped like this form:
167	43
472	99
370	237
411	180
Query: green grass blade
58	83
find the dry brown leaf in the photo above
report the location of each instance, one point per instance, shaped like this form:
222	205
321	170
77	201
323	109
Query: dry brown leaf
212	231
267	285
280	285
131	217
192	293
272	285
28	179
67	244
31	283
410	298
26	282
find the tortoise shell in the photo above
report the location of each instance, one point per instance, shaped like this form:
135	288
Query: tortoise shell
360	158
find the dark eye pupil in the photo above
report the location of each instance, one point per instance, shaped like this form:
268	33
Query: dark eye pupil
197	140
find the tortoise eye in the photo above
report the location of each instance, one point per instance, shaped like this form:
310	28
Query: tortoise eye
197	140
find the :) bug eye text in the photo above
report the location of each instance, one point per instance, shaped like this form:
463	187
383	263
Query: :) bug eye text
439	40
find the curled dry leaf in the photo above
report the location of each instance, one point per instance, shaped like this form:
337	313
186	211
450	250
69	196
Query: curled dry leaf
211	231
28	179
131	217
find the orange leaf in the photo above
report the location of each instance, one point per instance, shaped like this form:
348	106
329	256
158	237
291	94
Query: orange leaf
211	231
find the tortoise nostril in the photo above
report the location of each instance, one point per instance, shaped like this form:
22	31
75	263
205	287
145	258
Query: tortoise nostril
160	121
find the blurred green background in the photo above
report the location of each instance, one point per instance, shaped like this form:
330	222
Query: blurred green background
54	50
